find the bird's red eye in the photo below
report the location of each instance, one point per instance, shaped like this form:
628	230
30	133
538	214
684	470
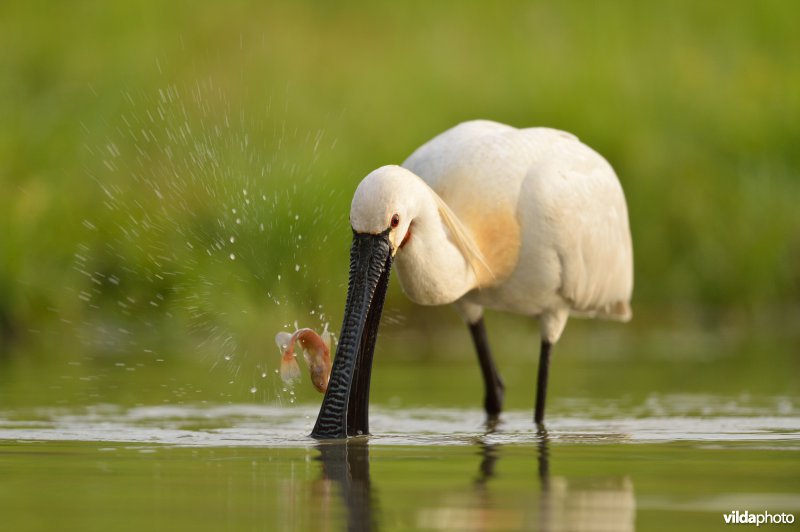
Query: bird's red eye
395	221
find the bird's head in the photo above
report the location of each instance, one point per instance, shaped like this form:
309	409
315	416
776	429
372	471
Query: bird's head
386	201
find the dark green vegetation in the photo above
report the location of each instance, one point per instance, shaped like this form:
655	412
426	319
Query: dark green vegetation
129	133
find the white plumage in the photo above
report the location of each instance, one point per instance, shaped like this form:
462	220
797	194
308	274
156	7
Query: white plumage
545	211
485	215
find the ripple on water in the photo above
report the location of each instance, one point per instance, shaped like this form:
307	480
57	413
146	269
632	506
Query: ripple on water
768	421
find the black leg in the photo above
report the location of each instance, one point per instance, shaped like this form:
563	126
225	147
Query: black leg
492	383
541	384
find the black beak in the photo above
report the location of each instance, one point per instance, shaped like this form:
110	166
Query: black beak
345	409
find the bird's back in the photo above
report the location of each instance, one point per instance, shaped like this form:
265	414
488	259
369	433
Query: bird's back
546	211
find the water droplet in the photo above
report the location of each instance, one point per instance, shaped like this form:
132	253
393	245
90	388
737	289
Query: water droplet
238	220
232	256
296	216
297	267
227	357
233	239
264	375
244	191
253	389
279	277
233	211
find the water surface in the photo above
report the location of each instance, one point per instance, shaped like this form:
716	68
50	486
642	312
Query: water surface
673	462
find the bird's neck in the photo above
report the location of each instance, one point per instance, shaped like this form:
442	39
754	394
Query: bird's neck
431	267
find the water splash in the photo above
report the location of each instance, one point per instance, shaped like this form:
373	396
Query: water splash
179	236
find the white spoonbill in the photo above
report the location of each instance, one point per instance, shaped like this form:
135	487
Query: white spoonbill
485	215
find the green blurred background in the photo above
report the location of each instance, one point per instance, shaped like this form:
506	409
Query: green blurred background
175	180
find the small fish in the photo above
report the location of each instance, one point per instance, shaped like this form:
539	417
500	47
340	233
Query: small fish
290	371
316	352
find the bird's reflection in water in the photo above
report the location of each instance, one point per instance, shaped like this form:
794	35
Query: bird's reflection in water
582	504
346	464
560	503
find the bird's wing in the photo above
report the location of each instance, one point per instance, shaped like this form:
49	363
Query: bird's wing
575	205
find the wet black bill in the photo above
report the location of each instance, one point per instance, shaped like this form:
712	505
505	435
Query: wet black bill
345	409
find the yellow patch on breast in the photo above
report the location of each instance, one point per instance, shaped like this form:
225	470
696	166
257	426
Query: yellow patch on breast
497	235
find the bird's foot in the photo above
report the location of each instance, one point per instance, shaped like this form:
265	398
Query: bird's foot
492	424
493	402
541	430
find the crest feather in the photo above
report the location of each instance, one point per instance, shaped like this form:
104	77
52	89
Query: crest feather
462	239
